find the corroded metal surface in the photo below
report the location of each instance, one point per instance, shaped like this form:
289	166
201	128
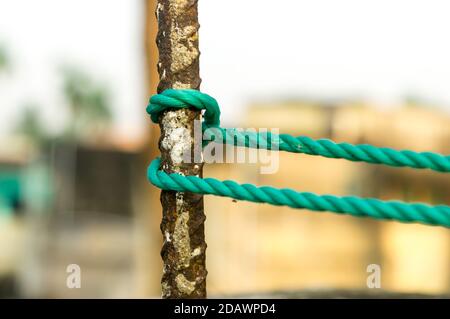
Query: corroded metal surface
182	225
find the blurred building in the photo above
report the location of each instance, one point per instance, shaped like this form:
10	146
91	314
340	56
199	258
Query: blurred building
254	247
90	224
78	207
91	205
12	201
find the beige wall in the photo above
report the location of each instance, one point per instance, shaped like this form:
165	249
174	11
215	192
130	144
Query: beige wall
255	247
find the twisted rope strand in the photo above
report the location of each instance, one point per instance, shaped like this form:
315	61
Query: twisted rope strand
370	207
284	142
326	148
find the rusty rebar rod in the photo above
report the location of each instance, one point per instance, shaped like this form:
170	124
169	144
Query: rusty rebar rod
183	252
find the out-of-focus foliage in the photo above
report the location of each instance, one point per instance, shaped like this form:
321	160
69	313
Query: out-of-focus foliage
30	125
88	102
414	100
89	112
4	61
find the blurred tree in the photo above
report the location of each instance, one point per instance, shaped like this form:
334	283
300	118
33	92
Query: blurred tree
88	102
31	127
4	62
415	100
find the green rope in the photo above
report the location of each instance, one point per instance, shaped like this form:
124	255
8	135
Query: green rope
302	144
326	148
178	99
369	207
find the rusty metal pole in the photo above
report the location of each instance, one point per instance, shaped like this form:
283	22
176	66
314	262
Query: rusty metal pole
183	252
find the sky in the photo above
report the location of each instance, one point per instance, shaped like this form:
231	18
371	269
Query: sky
379	50
102	37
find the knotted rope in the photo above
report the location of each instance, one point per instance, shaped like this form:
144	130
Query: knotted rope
400	211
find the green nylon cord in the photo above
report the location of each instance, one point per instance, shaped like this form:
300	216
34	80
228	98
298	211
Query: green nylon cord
178	99
359	153
370	207
361	207
326	148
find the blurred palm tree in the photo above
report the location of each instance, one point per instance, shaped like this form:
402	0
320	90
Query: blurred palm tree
31	127
4	60
88	102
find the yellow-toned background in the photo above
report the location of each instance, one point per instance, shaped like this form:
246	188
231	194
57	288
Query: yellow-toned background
88	202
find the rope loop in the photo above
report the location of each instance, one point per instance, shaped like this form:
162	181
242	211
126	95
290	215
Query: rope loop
188	98
360	207
176	99
395	210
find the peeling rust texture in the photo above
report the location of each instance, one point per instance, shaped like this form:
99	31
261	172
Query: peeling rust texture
183	252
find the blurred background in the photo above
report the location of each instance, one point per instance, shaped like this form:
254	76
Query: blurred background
75	77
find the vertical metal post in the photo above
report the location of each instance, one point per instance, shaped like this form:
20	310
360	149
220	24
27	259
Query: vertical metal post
183	252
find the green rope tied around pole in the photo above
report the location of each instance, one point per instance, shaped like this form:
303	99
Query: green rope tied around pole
178	99
361	207
396	210
171	98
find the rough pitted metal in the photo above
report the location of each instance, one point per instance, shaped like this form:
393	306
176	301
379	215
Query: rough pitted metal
183	252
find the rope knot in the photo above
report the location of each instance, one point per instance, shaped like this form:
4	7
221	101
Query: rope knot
186	98
412	212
